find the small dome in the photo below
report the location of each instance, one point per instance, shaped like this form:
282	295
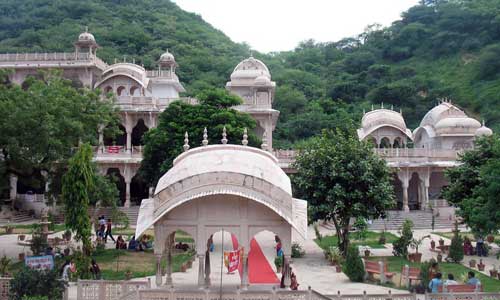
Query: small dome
250	68
484	131
167	57
86	37
262	80
380	117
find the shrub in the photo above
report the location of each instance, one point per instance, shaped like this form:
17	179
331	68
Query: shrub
353	266
333	255
297	250
28	283
5	264
400	246
424	273
456	248
361	228
38	241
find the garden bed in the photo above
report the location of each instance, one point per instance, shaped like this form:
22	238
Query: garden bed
371	240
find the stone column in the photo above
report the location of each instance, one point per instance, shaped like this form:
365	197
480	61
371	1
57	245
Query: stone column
129	140
405	196
208	282
127	192
168	280
101	139
201	273
158	270
286	269
13	187
244	276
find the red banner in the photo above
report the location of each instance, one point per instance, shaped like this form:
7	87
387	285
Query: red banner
232	259
114	149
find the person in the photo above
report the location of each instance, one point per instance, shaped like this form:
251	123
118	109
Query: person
102	226
294	285
67	268
108	231
468	249
210	242
279	250
95	270
472	279
132	244
479	246
433	270
435	283
451	280
120	243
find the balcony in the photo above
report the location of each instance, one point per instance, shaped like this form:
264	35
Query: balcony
55	58
118	154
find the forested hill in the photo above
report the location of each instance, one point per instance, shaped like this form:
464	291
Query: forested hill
440	48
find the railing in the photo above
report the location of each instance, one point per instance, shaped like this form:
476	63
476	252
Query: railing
31	197
162	74
108	289
117	150
417	152
463	296
4	288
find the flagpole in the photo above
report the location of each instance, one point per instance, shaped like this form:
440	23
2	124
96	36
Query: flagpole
221	265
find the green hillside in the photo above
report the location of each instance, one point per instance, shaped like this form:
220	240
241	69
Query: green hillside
438	49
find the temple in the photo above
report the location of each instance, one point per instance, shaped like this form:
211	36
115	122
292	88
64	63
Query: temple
420	156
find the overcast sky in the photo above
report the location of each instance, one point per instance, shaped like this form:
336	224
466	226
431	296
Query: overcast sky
276	25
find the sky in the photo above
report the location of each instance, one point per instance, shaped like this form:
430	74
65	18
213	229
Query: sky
279	25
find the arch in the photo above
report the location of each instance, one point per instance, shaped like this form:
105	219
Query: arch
117	178
118	140
372	141
385	142
121	91
108	89
138	132
135	91
414	197
398	192
398	143
138	190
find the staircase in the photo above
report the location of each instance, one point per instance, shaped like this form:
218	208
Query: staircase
420	219
15	216
132	213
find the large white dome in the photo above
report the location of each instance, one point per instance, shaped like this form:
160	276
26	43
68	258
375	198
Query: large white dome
250	68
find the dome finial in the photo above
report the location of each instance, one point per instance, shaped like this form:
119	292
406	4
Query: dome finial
264	145
205	137
382	105
392	107
86	29
224	136
186	141
245	137
364	111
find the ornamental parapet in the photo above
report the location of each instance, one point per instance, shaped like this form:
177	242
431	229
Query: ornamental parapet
50	59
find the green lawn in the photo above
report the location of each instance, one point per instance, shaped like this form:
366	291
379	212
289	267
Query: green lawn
396	264
114	263
371	240
28	228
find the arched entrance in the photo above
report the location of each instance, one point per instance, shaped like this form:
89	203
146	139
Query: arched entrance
138	190
117	178
138	132
237	189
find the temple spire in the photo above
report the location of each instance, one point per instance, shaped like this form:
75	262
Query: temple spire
186	141
245	137
205	137
224	136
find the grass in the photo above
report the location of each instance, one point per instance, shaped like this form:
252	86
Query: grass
114	263
395	264
371	240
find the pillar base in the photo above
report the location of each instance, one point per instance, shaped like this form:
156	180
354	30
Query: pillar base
406	208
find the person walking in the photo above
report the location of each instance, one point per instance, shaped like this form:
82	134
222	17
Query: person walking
109	225
436	283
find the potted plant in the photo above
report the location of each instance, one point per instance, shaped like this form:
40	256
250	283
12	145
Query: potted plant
278	262
128	274
472	263
415	243
433	244
367	251
441	242
480	266
21	237
9	229
184	267
490	238
189	264
382	239
67	235
21	256
439	257
66	251
493	272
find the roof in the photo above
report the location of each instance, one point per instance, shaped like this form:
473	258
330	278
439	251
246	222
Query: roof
379	118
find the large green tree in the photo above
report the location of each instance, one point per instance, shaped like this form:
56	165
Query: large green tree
214	111
342	178
474	186
43	121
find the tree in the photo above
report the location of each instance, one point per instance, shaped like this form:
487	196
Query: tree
342	178
457	246
474	186
164	143
78	182
353	265
43	121
400	246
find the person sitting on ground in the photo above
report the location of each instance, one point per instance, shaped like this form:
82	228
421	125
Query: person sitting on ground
146	242
435	283
120	243
472	279
451	280
95	270
294	285
132	244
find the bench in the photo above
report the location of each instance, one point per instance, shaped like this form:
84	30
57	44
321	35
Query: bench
460	288
408	274
373	267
